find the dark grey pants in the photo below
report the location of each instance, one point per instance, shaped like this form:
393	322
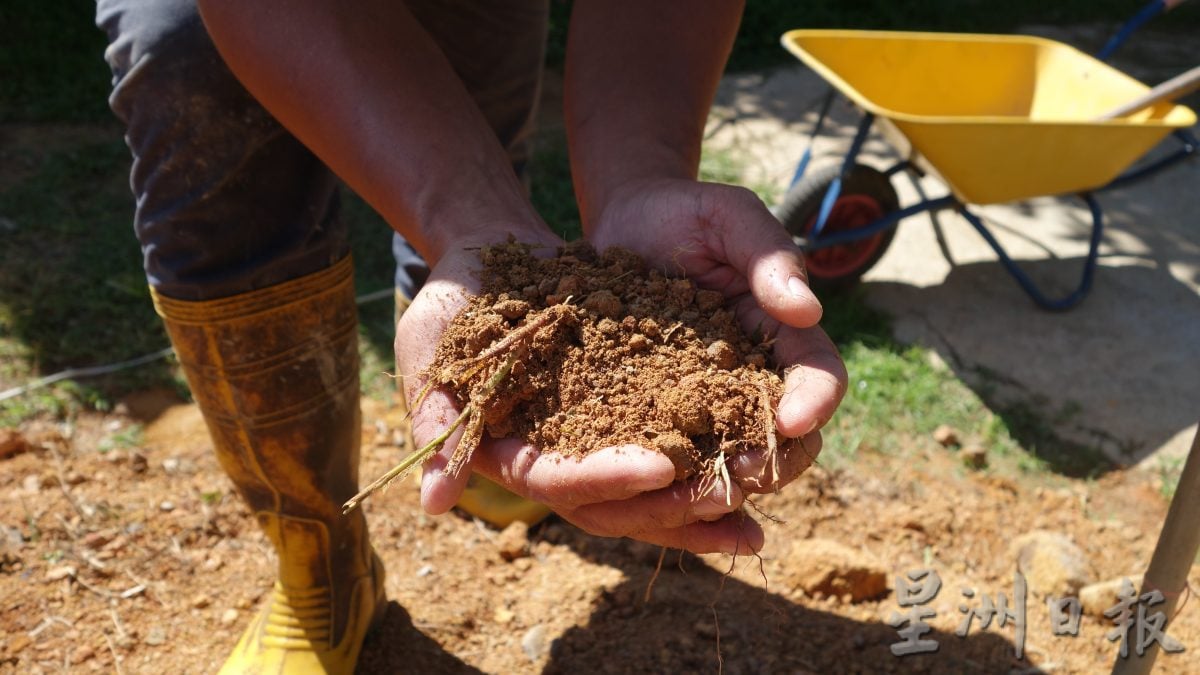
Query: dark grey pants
227	201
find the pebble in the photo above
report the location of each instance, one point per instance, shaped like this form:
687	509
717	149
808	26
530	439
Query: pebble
229	616
1097	598
201	601
974	456
723	355
60	573
156	636
425	571
946	435
604	303
503	615
12	443
82	653
18	643
828	568
1053	565
534	642
167	506
32	483
513	541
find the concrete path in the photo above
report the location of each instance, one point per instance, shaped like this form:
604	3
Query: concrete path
1121	372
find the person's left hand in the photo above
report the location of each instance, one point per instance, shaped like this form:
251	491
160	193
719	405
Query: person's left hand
723	238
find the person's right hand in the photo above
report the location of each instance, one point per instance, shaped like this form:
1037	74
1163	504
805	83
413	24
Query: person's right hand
622	491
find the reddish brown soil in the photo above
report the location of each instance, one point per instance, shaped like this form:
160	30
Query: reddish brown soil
583	351
104	570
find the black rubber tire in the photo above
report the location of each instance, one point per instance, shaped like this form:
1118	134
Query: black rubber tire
802	203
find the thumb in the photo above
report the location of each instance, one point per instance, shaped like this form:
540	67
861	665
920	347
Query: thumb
765	254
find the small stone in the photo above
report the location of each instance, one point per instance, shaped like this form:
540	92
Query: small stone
75	478
82	653
569	285
946	435
32	483
167	505
95	540
534	642
707	301
201	601
137	462
638	343
723	355
18	643
156	636
512	309
1095	599
828	568
1052	564
425	571
58	573
503	615
604	303
974	457
513	541
170	464
12	443
228	617
682	292
212	563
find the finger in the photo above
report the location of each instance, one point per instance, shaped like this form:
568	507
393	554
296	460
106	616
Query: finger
736	533
440	490
616	473
680	504
761	248
815	381
755	472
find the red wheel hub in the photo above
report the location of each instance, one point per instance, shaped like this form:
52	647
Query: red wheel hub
850	212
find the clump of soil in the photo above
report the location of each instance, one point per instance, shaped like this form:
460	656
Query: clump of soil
589	350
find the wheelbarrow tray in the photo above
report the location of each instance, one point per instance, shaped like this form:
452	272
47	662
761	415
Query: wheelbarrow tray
999	117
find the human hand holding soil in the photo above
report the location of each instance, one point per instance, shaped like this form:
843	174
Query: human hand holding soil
724	239
619	491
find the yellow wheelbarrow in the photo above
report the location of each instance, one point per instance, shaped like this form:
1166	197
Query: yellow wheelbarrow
998	118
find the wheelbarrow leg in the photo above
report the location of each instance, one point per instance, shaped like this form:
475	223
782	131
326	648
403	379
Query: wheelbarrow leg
1026	283
835	187
826	102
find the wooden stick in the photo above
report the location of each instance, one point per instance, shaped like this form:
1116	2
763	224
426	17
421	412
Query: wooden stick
1176	87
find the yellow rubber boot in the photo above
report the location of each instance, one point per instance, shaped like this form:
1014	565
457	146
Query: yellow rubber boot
275	372
482	498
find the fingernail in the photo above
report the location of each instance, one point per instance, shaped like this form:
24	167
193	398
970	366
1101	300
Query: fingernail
797	287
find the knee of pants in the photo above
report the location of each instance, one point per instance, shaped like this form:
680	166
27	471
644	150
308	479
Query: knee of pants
227	201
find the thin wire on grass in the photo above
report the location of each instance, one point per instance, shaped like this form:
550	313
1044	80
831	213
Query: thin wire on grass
109	368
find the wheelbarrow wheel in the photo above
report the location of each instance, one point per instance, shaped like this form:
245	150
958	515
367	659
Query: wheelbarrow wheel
866	196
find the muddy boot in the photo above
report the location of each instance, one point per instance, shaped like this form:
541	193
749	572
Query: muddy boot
482	498
275	372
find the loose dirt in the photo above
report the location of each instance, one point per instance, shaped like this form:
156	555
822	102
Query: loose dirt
141	554
583	351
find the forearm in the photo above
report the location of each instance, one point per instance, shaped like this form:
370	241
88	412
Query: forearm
369	92
640	78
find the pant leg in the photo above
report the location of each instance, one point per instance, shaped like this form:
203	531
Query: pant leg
497	49
227	200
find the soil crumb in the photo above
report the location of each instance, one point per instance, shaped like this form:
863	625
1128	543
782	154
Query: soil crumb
587	350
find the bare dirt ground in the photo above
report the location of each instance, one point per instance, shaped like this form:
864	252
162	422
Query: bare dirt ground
142	559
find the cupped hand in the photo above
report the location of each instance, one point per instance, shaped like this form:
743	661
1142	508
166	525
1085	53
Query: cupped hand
724	239
620	491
